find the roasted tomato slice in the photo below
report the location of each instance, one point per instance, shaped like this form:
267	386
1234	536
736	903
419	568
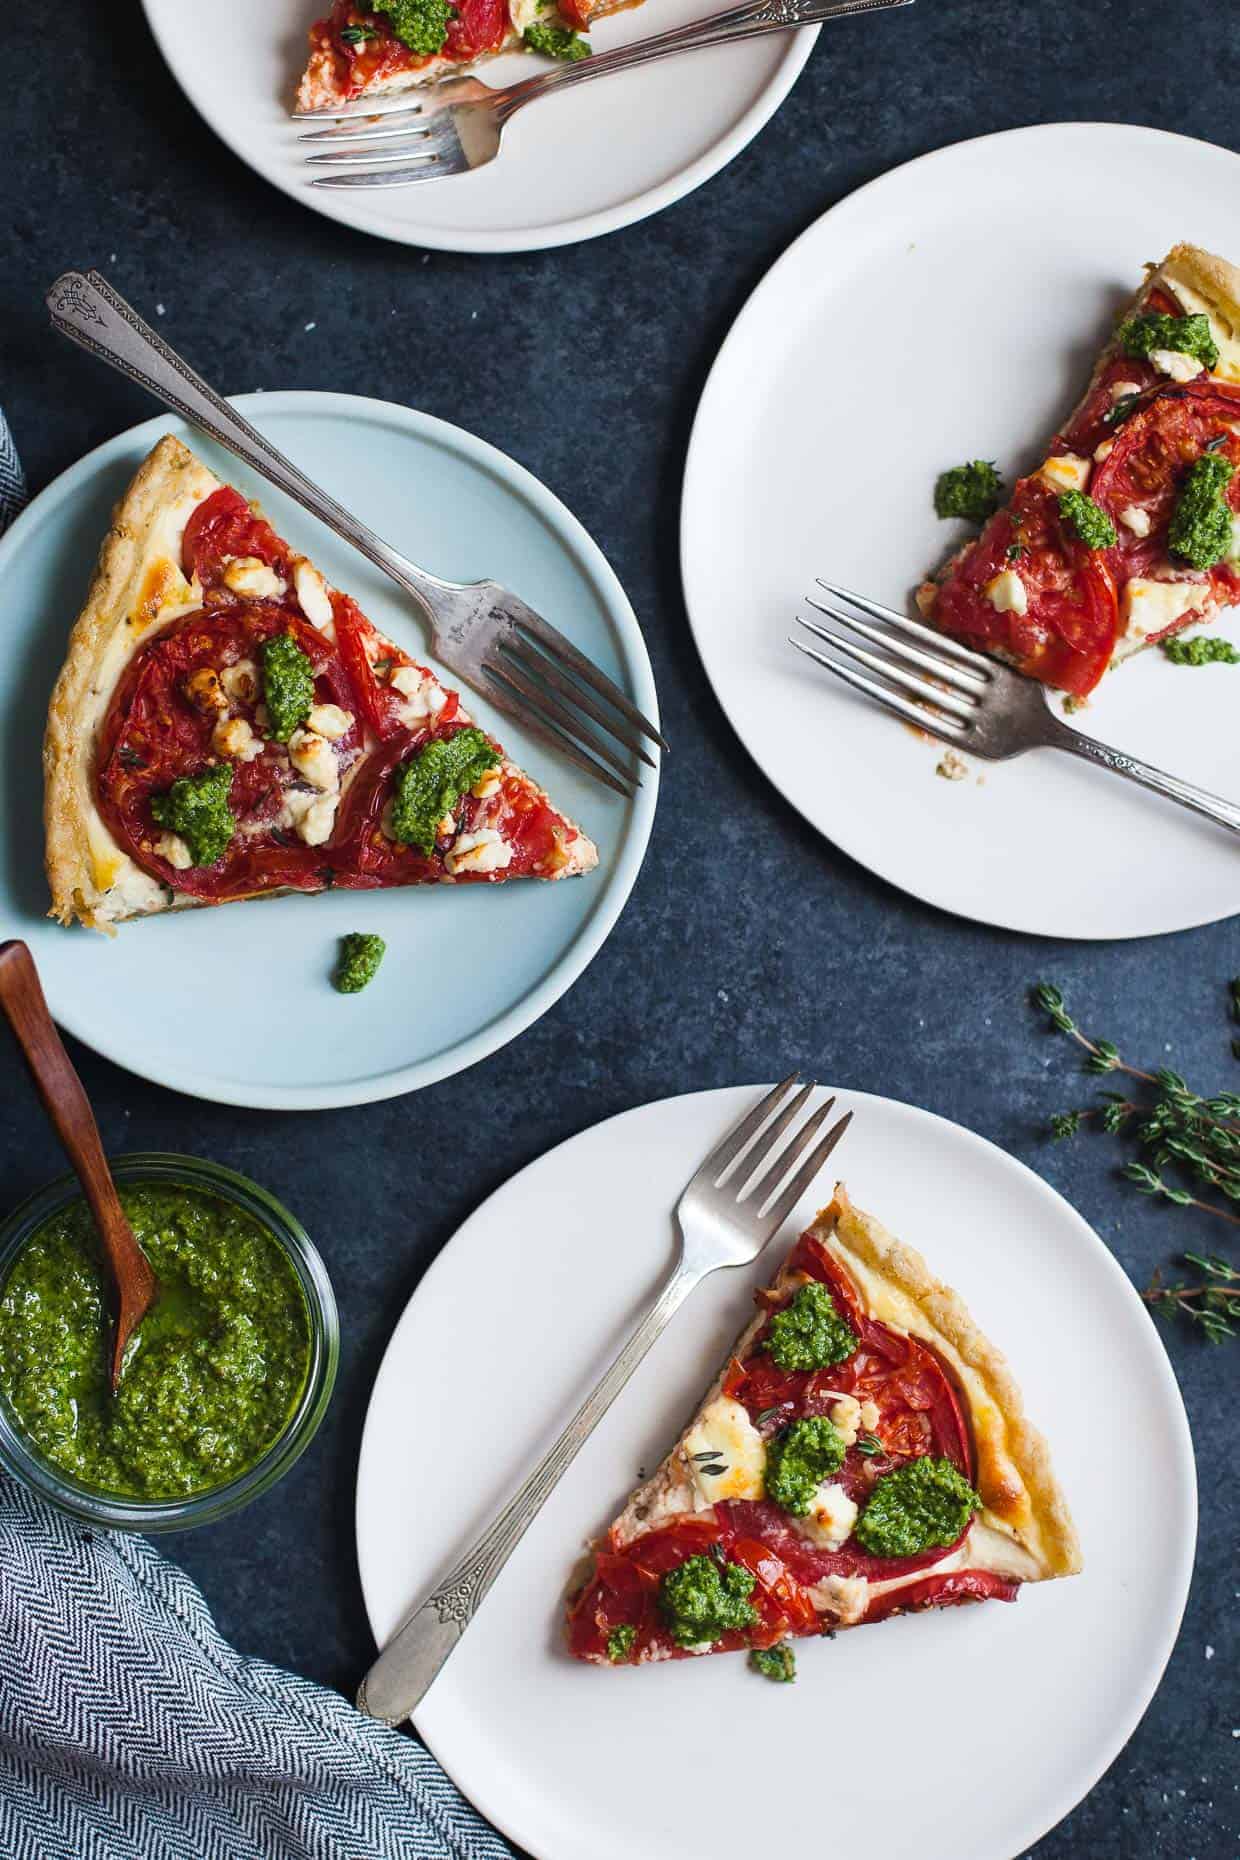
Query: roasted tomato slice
1145	468
476	27
371	661
1089	427
222	527
366	857
1067	635
962	1585
155	731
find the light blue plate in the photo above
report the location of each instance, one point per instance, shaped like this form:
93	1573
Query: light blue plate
235	1004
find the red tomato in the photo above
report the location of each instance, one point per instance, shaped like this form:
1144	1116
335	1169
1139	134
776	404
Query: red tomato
1066	637
223	525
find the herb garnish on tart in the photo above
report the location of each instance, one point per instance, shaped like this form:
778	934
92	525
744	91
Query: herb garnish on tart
863	1453
1130	530
226	726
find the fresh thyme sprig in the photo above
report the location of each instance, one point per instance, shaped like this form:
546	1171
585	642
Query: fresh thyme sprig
1175	1129
1213	1303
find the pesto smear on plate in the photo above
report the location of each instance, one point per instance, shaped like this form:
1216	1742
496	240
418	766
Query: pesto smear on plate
211	1376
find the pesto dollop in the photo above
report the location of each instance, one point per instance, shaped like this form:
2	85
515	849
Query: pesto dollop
196	807
923	1504
1183	335
361	952
1088	521
557	42
799	1459
211	1376
973	491
422	25
1203	649
620	1643
288	685
778	1663
809	1332
430	784
702	1600
1201	522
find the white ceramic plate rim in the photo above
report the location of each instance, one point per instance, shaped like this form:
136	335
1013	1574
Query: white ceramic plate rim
602	919
864	203
519	238
470	1770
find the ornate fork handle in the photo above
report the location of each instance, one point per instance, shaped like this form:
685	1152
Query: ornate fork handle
738	22
404	1670
1200	800
85	308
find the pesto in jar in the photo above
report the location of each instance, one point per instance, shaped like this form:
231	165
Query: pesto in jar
212	1375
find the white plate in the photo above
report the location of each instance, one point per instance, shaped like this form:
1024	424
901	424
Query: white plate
950	311
968	1709
605	155
236	1004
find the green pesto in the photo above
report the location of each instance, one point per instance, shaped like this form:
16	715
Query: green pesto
1204	649
703	1600
212	1375
973	491
430	784
422	25
809	1333
921	1504
361	952
196	807
1201	522
799	1459
1087	520
557	42
1184	335
288	685
778	1663
620	1643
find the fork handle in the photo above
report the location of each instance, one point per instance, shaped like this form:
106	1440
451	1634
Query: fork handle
399	1678
737	22
1198	800
85	308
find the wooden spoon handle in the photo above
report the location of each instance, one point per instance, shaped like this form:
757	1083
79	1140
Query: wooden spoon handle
64	1099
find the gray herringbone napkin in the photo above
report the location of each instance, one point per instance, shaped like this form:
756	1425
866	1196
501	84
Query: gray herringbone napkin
129	1728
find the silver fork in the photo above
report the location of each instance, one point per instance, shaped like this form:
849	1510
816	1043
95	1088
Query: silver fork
458	124
972	702
739	1198
488	636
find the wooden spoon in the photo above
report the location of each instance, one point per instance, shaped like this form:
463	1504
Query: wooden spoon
66	1103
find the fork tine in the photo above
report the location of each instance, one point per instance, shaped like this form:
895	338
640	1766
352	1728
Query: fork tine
778	1212
926	634
423	144
556	646
758	1152
921	719
892	670
432	168
549	732
560	714
346	131
893	642
359	112
534	660
759	1192
726	1153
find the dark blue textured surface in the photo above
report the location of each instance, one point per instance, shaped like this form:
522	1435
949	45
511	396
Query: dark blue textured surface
745	950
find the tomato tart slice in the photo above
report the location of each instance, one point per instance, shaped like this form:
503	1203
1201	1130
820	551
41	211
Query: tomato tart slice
863	1454
1130	529
227	726
393	45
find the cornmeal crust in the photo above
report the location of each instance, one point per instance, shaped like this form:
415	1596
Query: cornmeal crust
1023	1503
138	586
